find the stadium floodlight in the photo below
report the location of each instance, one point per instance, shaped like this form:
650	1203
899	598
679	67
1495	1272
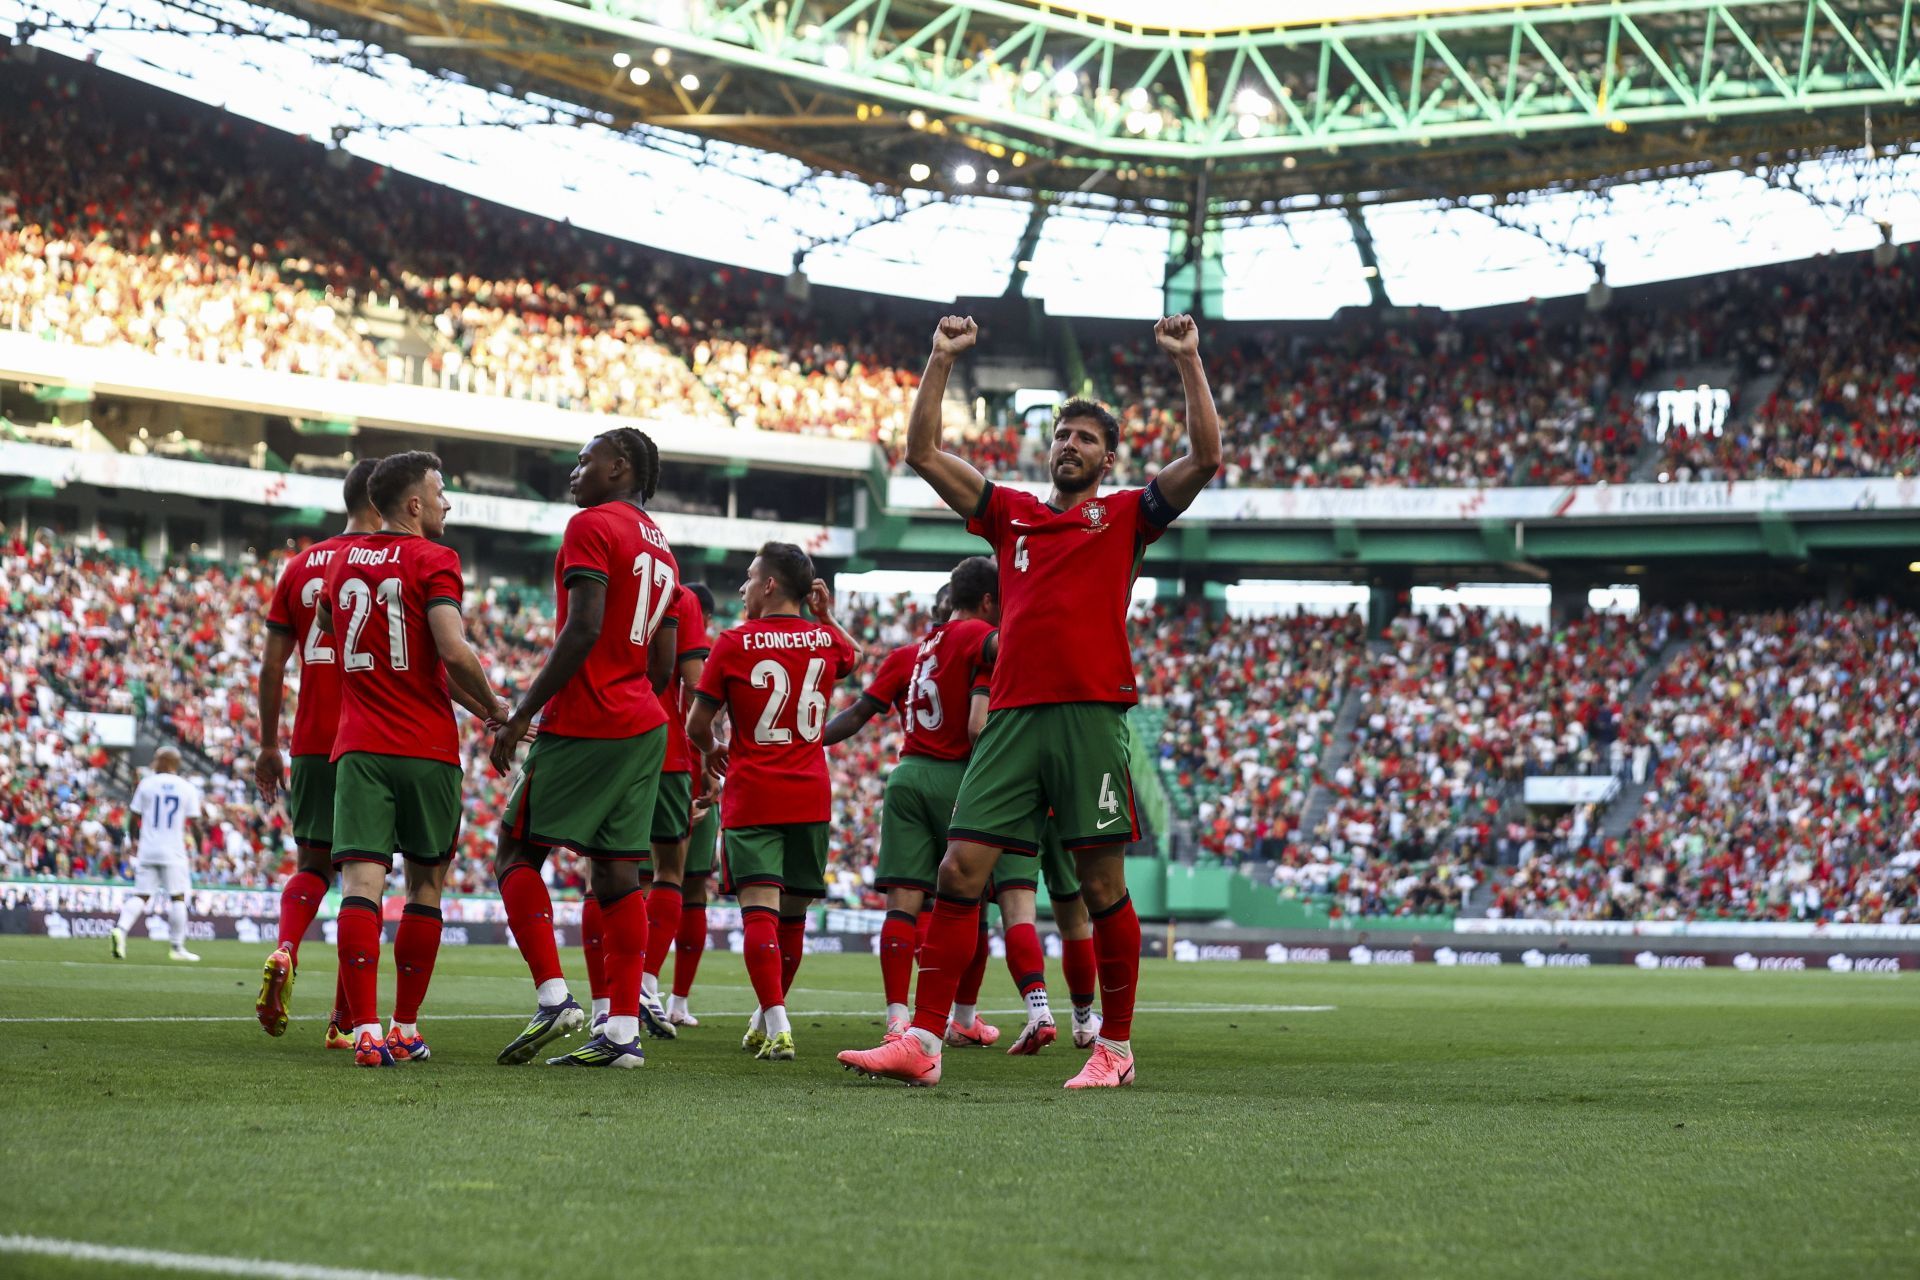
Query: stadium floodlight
1065	83
917	119
993	175
1031	82
1249	126
919	172
836	57
964	174
1251	102
639	75
1136	122
623	60
662	56
690	82
1137	99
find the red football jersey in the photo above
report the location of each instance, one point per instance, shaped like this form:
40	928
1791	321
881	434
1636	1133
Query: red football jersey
295	611
931	685
1066	582
393	686
610	695
775	677
690	627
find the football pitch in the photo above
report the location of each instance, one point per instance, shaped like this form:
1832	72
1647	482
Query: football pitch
1288	1121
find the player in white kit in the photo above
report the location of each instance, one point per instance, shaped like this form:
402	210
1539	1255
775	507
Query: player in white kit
164	805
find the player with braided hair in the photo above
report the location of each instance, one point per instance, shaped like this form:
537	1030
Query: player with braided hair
590	779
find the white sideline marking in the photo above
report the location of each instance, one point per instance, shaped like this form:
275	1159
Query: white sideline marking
429	1017
263	1268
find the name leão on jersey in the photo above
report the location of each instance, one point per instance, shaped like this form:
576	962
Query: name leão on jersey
811	639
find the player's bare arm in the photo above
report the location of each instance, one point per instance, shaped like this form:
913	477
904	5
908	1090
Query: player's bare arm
660	655
586	614
466	679
977	716
270	767
820	604
1183	479
850	720
700	731
952	477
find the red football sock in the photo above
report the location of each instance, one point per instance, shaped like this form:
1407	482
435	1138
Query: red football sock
793	949
415	945
762	927
1116	941
625	919
1025	959
922	925
897	945
341	1018
969	991
530	916
688	947
1083	970
358	944
300	900
593	934
944	959
663	921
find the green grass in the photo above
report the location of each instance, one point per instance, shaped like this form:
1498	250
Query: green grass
1435	1122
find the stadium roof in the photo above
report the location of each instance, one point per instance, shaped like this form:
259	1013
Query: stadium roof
1358	104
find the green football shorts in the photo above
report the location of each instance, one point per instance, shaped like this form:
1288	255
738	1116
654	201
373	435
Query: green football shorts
700	843
671	806
1024	870
383	804
1067	757
592	795
913	821
310	801
792	855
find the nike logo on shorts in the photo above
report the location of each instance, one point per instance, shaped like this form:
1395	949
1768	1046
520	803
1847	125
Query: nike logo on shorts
1102	826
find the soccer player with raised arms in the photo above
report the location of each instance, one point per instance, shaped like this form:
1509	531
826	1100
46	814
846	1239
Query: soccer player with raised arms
590	779
393	604
293	625
1056	733
774	674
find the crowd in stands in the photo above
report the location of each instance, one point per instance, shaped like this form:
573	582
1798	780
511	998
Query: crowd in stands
173	228
1784	773
1787	782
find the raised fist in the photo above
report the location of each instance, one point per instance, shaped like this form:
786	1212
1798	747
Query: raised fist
1177	335
955	334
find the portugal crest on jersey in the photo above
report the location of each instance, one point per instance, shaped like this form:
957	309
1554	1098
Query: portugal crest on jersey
1096	512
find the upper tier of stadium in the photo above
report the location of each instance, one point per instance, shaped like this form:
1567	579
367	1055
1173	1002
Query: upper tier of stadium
132	219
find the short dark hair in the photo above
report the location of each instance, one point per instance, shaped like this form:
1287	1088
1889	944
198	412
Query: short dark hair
355	488
1077	408
704	594
789	566
974	579
397	474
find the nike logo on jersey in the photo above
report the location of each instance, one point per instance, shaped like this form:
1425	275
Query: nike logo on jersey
1102	826
1020	524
